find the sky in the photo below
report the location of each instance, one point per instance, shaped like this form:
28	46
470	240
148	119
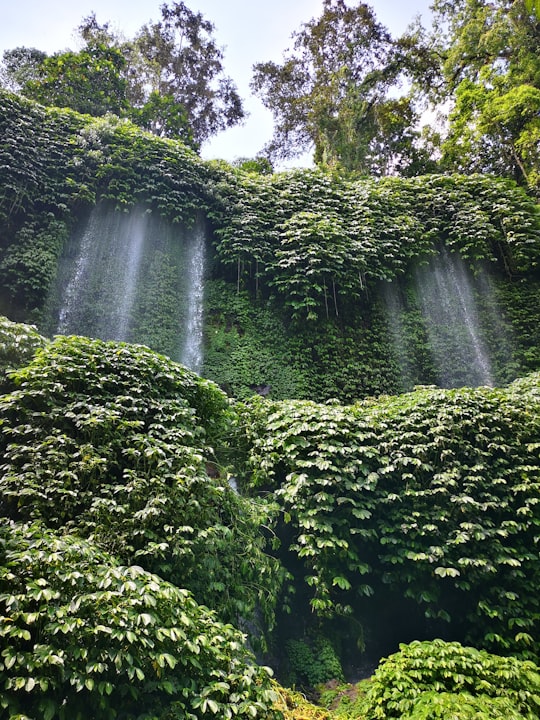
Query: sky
249	31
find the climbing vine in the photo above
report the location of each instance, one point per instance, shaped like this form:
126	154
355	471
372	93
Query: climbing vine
315	252
432	496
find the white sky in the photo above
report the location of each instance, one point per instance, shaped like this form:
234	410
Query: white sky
250	31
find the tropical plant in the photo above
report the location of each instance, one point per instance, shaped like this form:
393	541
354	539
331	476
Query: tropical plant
169	79
426	500
89	81
331	94
491	70
115	442
80	631
442	680
18	345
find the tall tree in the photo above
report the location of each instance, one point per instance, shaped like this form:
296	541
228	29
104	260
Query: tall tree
19	66
331	93
491	70
169	79
181	60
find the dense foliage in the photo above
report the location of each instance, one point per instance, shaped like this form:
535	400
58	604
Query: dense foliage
358	96
80	631
307	231
169	79
329	90
340	262
445	680
55	165
115	443
421	508
347	313
491	69
136	495
427	502
18	344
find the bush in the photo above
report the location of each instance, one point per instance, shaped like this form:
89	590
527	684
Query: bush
81	632
113	442
434	679
312	661
18	344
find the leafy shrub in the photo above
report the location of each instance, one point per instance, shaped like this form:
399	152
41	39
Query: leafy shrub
311	661
18	344
113	441
428	499
82	634
29	266
437	679
463	705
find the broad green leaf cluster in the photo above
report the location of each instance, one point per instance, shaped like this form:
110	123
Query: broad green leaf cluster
115	443
321	241
81	633
108	475
444	680
18	344
411	515
424	504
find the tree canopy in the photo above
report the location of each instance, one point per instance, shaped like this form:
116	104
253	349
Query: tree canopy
331	92
169	79
491	70
347	89
357	96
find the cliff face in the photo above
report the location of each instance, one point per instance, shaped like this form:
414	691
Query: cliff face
315	286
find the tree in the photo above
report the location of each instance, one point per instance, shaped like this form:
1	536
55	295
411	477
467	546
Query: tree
491	69
331	93
19	66
169	79
180	59
164	117
90	81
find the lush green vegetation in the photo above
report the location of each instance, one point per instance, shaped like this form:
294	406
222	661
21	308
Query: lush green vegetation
443	680
168	79
327	311
357	527
125	446
357	96
79	632
426	502
130	565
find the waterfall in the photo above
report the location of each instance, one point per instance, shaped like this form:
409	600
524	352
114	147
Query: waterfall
192	352
446	295
395	313
102	284
135	277
134	234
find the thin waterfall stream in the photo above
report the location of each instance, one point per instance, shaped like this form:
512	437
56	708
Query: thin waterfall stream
133	277
445	326
449	308
192	353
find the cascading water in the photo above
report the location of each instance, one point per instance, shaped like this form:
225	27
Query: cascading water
102	284
450	313
136	278
192	352
445	326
